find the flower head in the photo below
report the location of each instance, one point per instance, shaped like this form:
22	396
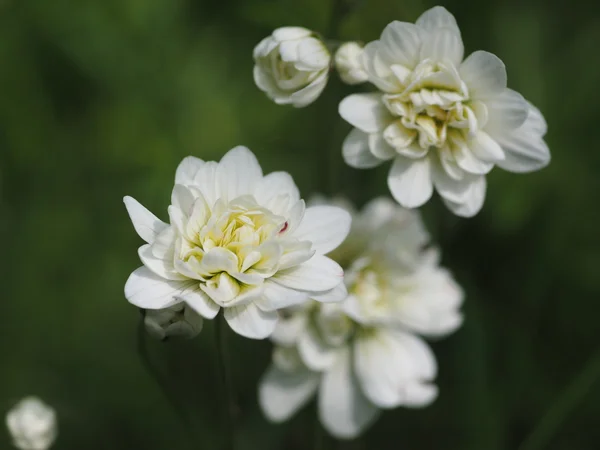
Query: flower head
292	66
178	321
364	354
444	121
32	424
348	63
237	240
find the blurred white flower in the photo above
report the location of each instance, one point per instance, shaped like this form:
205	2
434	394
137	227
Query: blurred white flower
364	354
237	240
348	63
292	66
443	120
32	424
178	321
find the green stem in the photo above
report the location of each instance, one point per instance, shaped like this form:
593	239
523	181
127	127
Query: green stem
564	405
226	382
161	381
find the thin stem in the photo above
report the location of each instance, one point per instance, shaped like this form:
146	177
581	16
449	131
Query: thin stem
564	405
161	381
226	382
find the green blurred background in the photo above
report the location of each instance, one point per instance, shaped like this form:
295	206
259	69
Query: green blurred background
102	98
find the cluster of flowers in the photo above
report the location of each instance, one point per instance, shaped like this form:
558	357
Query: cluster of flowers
345	296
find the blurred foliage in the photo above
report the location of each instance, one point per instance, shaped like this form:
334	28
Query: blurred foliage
102	98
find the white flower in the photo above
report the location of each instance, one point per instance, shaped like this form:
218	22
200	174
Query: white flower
292	66
178	320
32	424
237	240
364	354
348	63
444	121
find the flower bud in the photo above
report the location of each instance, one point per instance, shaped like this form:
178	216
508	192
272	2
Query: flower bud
177	321
348	63
292	66
32	424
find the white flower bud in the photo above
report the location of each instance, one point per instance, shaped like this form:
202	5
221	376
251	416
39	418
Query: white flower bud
292	66
348	63
177	321
32	424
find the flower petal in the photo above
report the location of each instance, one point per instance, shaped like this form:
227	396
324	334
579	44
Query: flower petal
315	353
312	55
276	296
443	44
356	153
197	300
506	112
380	148
365	111
238	173
344	411
250	321
484	74
320	273
146	224
161	267
337	294
288	33
309	94
147	290
206	181
400	43
473	201
325	227
525	148
282	394
485	148
187	169
275	184
437	17
409	181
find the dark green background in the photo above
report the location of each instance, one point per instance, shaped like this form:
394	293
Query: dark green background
99	99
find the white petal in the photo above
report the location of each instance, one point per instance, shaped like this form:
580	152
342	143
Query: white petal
506	112
206	181
356	153
443	44
312	55
282	394
182	198
325	227
380	148
409	181
469	162
277	297
146	224
187	169
320	273
484	74
400	43
419	395
250	321
344	411
161	267
288	33
525	148
365	111
315	353
335	295
147	290
309	94
274	184
485	148
238	173
474	197
437	17
197	300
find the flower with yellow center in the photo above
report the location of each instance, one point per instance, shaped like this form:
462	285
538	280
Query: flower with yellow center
364	354
237	240
444	121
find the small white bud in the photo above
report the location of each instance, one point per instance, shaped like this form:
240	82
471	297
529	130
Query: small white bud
292	66
32	424
348	63
177	321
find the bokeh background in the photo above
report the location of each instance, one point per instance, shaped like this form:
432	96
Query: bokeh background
102	98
